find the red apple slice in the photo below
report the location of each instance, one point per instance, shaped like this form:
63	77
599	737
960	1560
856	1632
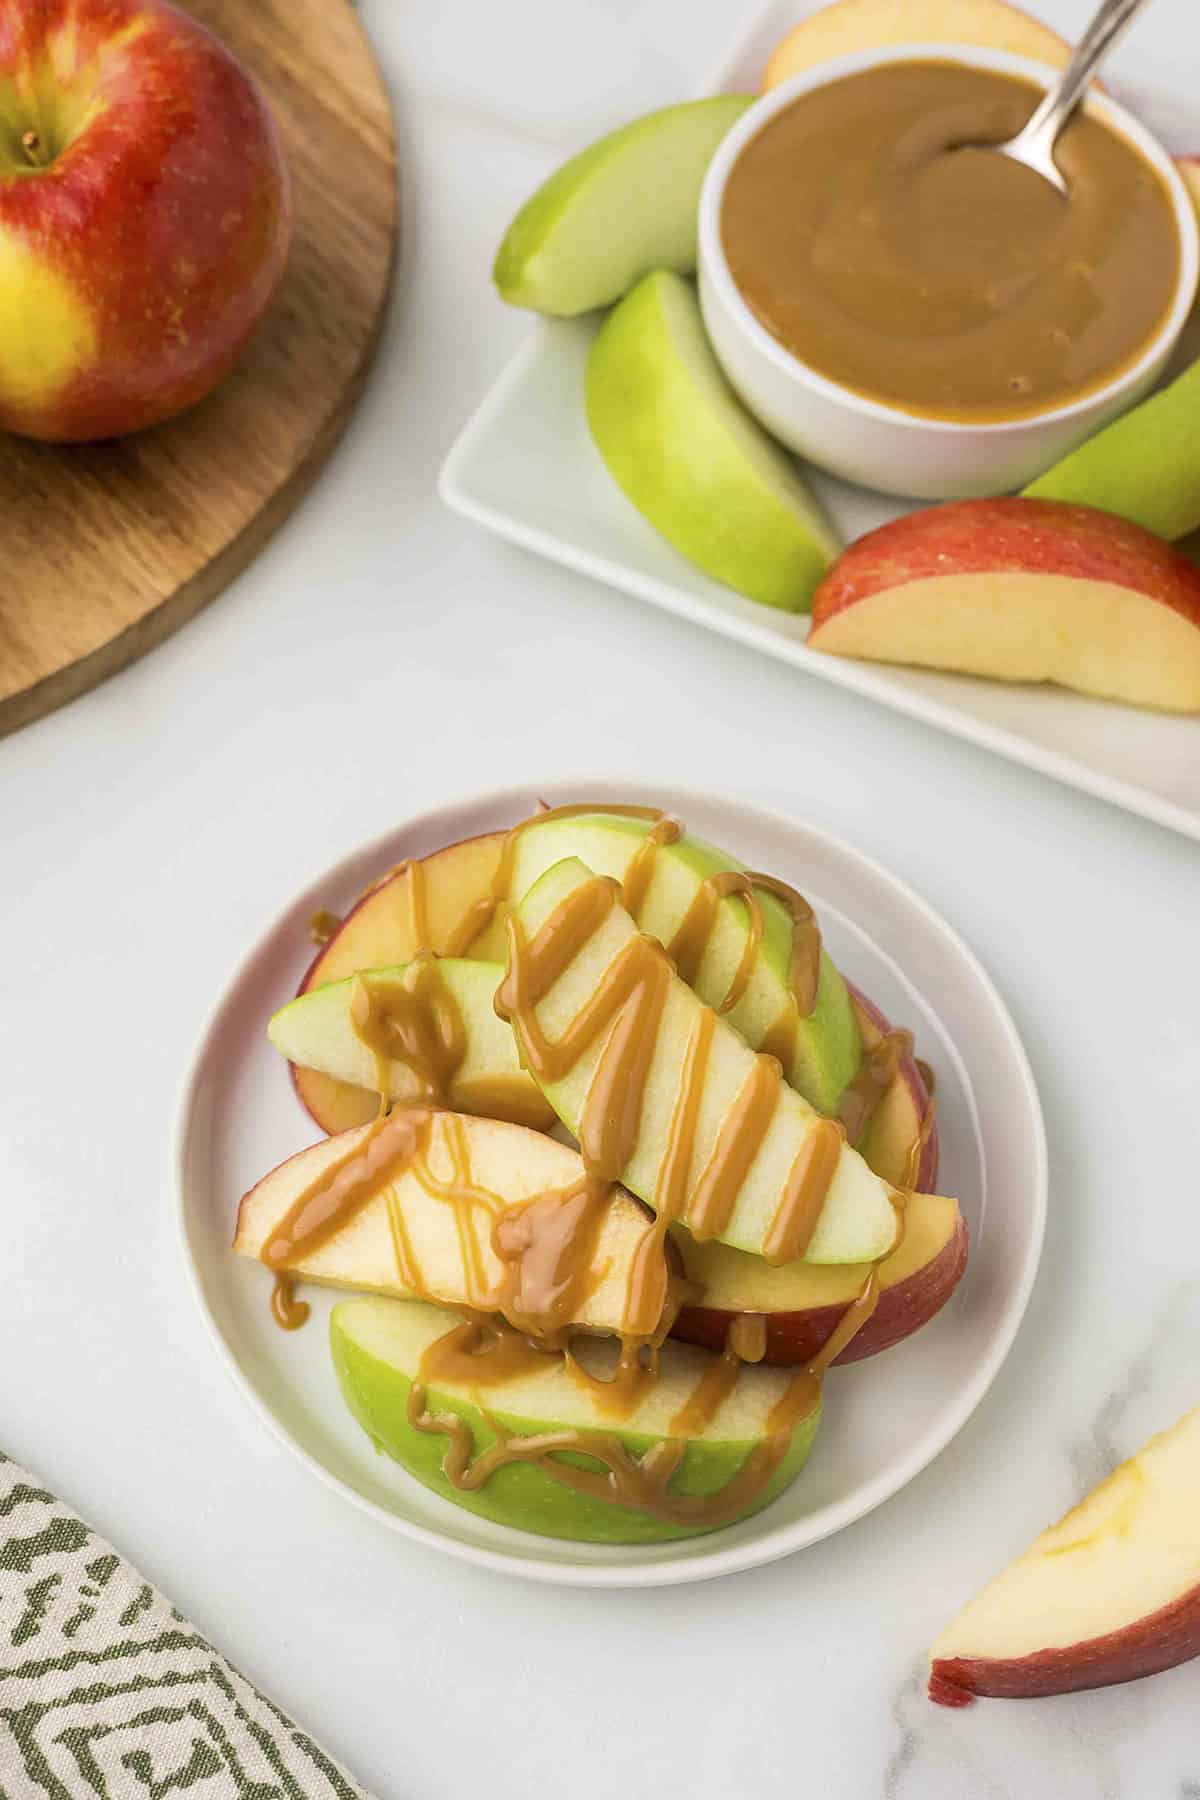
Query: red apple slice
1109	1594
400	914
802	1302
853	25
442	1249
1021	590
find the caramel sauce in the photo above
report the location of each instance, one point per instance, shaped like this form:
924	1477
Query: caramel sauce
414	1020
482	1353
808	1184
288	1312
742	1131
640	872
323	925
916	1149
804	968
327	1205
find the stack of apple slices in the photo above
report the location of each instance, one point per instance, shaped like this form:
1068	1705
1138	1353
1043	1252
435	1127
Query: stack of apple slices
448	902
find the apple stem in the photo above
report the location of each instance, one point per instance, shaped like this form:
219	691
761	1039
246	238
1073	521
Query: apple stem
31	143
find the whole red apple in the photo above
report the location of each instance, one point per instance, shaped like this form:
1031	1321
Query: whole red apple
144	215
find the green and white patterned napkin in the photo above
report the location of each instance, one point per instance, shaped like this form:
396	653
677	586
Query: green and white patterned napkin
107	1693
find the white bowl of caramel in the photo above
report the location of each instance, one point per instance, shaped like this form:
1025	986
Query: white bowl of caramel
904	307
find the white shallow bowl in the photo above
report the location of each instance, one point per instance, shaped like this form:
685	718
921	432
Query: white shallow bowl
881	446
885	1418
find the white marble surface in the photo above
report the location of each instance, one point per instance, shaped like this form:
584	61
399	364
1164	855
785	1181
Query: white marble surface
382	656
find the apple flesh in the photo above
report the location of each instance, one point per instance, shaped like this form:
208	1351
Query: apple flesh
1145	465
377	1348
853	25
1109	1594
828	1042
624	206
508	1161
385	928
683	449
316	1030
1021	590
856	1223
144	215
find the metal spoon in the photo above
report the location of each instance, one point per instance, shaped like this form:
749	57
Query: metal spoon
1034	145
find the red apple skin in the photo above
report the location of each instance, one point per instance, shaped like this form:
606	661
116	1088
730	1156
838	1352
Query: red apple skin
1162	1640
795	1337
1009	535
164	223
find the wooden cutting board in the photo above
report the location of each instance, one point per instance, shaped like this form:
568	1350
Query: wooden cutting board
107	549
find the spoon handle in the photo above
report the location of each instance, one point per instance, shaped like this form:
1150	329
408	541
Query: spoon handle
1112	19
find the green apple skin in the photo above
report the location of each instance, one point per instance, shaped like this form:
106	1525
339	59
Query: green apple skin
316	1031
376	1353
625	205
682	447
1145	466
828	1042
857	1222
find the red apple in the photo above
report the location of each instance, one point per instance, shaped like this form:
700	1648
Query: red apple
1021	590
144	215
1109	1594
850	26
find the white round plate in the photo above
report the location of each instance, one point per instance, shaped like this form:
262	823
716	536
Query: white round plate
885	1417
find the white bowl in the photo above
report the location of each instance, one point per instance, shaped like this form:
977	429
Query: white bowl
881	446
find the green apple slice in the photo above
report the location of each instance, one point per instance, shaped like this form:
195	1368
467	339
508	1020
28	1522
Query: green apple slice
857	1222
626	204
1145	466
683	448
828	1043
316	1031
377	1348
507	1161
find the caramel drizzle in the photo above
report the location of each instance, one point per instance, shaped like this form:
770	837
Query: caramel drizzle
622	1479
413	1019
323	926
288	1312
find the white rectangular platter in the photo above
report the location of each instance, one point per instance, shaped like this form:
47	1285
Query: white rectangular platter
525	468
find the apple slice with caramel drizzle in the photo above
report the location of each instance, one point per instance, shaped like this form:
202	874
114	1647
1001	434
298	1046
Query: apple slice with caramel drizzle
464	1211
520	1436
425	1031
748	944
667	1098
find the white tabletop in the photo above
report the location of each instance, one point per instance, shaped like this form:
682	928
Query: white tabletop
382	656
